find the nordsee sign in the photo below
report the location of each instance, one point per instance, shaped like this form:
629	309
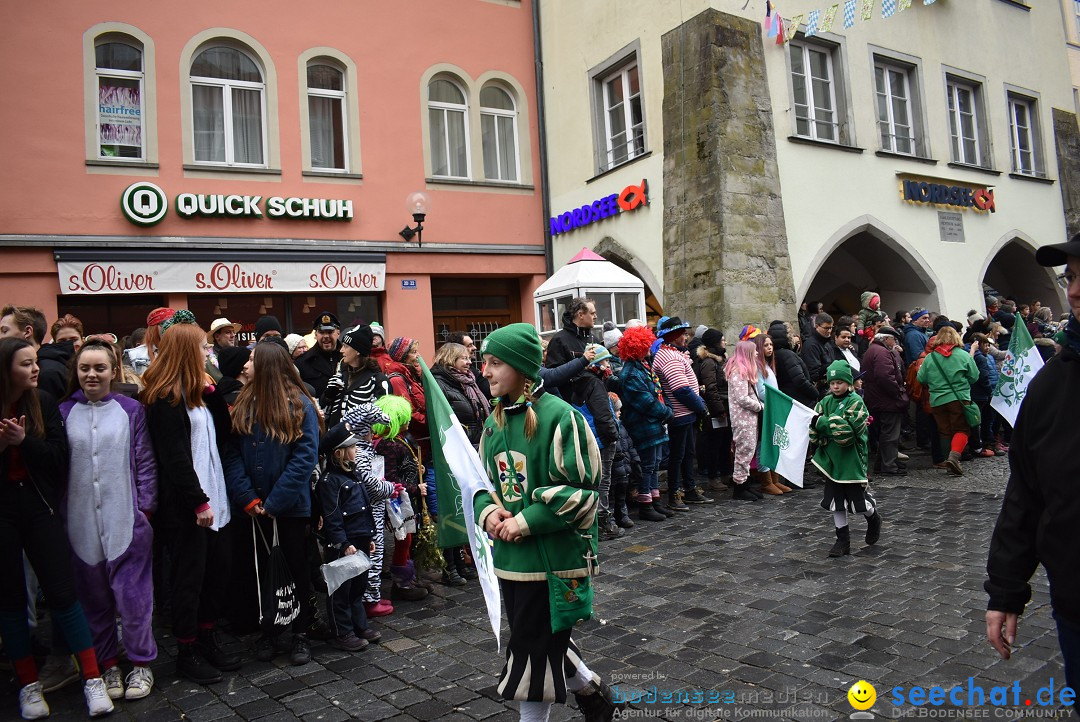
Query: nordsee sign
978	199
145	204
631	198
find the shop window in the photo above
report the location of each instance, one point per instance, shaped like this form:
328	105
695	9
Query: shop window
498	130
626	307
448	124
228	108
117	314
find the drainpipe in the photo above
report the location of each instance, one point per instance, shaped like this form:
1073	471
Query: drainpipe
541	128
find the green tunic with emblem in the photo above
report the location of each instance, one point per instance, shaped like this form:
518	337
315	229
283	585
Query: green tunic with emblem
550	485
840	435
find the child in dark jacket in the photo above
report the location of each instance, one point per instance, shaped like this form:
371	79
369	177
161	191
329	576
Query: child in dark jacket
348	489
625	469
590	394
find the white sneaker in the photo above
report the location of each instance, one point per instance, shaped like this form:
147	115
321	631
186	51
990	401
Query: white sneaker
114	682
32	704
902	457
59	671
98	701
139	683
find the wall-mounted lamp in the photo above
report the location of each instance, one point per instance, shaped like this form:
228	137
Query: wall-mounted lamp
417	203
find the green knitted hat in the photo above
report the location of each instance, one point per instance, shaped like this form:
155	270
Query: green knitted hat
839	371
518	345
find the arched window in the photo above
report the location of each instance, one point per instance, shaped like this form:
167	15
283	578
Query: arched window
227	99
327	117
448	123
120	123
498	125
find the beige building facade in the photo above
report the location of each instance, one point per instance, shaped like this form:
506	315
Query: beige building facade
914	155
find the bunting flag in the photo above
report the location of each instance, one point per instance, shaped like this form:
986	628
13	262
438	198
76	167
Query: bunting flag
888	8
768	8
774	26
928	2
812	23
849	13
904	5
793	27
867	9
827	21
779	30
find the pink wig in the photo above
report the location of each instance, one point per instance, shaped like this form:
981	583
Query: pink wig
743	362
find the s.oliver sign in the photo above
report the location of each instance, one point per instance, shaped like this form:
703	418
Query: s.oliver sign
88	278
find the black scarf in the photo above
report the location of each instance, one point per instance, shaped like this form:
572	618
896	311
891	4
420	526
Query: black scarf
1072	334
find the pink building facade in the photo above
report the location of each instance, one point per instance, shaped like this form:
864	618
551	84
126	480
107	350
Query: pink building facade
247	158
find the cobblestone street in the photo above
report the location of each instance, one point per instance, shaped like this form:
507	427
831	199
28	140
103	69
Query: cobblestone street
734	597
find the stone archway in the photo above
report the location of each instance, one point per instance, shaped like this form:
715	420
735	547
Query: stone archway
867	255
1011	271
618	254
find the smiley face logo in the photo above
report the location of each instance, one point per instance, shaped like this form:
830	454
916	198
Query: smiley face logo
862	695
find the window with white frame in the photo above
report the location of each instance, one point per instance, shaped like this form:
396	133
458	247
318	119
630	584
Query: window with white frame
448	121
228	114
964	122
498	129
623	120
120	123
1076	15
813	85
892	87
327	117
1024	135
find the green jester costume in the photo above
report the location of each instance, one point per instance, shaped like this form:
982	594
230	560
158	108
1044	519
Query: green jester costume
549	482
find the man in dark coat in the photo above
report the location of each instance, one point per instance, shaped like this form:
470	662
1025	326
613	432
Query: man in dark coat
1040	514
792	376
819	351
886	396
320	363
569	343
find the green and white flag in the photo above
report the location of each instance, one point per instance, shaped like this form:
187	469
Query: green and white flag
459	476
785	435
1021	364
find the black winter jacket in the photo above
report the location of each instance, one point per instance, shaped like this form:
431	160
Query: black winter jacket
818	353
710	373
459	403
45	458
179	490
53	360
567	345
1040	514
792	376
626	466
591	391
348	389
316	367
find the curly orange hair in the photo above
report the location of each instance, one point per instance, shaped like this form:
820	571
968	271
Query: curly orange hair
635	343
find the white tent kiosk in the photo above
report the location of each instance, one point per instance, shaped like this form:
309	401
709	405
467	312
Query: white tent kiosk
619	295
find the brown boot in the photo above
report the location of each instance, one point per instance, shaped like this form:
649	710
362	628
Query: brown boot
765	484
778	484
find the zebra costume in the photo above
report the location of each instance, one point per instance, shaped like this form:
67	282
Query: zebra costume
348	397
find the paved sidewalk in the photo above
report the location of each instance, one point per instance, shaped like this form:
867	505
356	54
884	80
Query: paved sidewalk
733	599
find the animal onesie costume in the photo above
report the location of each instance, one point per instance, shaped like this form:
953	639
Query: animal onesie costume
110	495
745	408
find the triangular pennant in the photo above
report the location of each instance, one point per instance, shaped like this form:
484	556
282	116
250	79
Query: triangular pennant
904	5
888	8
812	23
928	2
793	27
768	9
779	30
827	21
774	26
867	9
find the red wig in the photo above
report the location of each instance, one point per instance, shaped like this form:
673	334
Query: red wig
635	343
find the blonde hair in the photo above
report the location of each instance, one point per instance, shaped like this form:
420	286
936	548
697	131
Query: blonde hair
947	336
341	461
531	420
449	353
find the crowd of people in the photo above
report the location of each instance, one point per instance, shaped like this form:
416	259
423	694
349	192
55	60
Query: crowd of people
154	470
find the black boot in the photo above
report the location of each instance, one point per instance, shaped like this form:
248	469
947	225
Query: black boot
660	507
597	702
191	665
463	569
843	542
674	501
742	492
608	530
206	645
873	528
618	506
648	512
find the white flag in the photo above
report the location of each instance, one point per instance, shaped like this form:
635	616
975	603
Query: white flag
785	435
1021	364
